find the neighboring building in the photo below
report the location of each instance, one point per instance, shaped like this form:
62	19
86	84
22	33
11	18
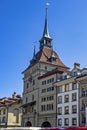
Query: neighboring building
72	98
10	111
82	80
39	94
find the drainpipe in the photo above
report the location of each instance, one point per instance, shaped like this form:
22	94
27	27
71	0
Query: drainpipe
56	106
6	123
79	101
56	100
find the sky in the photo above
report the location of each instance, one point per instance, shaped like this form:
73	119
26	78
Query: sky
21	26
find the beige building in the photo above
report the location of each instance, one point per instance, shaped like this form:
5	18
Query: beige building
10	111
39	94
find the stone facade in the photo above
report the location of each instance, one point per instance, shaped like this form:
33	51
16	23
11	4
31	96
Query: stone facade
39	93
52	94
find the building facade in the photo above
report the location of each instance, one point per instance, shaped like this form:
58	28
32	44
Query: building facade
82	79
52	94
72	98
39	94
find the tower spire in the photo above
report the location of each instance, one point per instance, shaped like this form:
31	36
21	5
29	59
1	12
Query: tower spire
46	39
46	32
34	59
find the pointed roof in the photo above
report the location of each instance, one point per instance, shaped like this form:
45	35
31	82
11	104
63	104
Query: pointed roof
44	56
46	32
46	53
33	60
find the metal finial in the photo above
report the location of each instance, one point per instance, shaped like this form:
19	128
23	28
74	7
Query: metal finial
47	4
46	32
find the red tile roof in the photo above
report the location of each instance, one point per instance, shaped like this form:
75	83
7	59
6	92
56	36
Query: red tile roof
44	55
7	101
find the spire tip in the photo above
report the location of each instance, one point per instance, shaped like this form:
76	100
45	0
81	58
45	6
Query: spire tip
47	4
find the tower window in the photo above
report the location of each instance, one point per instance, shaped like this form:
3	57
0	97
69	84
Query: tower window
45	67
26	99
27	85
33	82
32	97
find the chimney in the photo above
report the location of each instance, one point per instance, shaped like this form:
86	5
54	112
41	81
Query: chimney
76	66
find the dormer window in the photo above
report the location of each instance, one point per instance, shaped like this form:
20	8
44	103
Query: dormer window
54	59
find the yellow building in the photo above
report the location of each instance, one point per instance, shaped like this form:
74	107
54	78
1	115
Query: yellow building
10	111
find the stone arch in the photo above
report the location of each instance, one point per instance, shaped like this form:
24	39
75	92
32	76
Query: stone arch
46	124
28	124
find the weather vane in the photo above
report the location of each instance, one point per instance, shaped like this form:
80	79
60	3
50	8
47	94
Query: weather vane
47	4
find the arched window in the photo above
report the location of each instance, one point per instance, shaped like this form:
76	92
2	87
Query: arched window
46	124
28	124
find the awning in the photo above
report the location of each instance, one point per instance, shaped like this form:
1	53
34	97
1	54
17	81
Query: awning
29	104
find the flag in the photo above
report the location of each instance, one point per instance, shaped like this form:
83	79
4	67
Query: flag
30	79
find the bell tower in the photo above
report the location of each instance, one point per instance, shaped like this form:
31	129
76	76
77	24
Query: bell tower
46	40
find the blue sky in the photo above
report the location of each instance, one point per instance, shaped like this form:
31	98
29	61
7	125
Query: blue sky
21	24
